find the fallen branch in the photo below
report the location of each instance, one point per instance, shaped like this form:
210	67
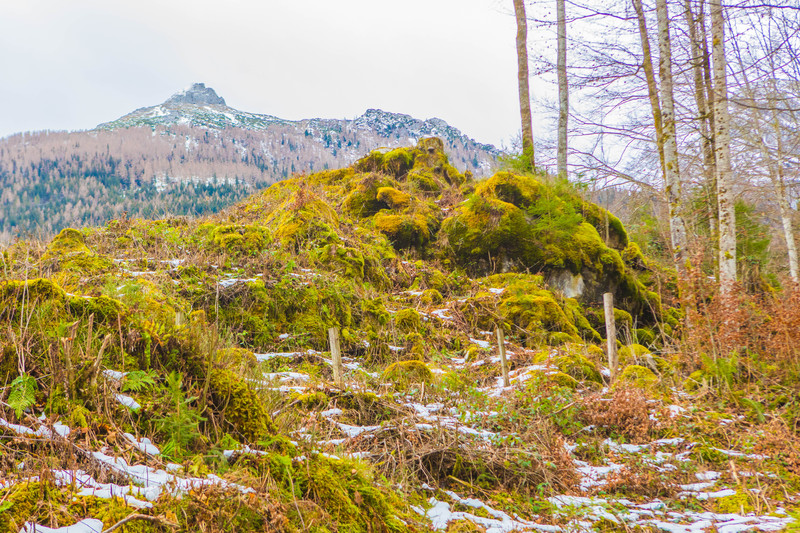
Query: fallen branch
155	519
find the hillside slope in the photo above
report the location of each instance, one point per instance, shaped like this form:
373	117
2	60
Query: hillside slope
190	155
179	371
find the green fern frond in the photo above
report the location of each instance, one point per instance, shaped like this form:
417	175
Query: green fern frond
22	394
138	380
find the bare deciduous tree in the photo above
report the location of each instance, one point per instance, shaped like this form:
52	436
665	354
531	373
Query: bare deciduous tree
524	82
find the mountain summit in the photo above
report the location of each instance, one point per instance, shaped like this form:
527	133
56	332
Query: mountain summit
193	154
196	94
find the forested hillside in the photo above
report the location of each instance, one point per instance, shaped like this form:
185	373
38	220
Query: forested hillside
190	155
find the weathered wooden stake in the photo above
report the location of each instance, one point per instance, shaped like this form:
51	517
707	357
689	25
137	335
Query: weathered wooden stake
501	345
336	357
611	333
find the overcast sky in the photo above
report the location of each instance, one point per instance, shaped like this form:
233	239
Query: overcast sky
70	65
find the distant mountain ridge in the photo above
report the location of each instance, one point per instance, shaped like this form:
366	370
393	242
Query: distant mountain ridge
191	154
200	106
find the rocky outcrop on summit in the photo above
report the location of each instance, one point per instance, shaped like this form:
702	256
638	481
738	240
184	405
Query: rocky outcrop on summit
196	94
192	154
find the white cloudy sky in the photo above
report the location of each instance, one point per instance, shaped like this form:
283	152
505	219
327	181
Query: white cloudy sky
74	64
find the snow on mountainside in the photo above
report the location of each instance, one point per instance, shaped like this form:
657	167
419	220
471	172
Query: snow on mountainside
200	106
191	154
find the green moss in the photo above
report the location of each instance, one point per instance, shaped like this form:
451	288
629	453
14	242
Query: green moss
311	400
375	310
632	354
424	181
638	376
405	231
362	201
695	380
644	336
633	257
236	357
68	241
558	338
403	373
571	360
520	191
102	307
407	320
241	408
607	225
431	296
622	320
342	494
563	380
393	198
574	311
236	238
739	503
306	221
39	289
69	251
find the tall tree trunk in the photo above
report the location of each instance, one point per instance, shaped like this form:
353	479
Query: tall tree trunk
563	86
649	74
773	161
780	191
672	175
722	151
697	36
524	92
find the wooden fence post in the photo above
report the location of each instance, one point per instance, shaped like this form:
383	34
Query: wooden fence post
611	333
501	345
336	357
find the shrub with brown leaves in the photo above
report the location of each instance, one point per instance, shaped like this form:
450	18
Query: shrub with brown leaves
624	414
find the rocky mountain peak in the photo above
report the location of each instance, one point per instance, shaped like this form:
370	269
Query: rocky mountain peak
196	94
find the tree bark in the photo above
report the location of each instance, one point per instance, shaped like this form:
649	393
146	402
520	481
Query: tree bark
702	87
672	176
722	152
783	202
524	92
563	86
772	160
649	74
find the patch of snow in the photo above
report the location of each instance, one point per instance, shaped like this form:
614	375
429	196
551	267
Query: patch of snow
268	356
482	344
114	374
127	401
87	525
233	281
144	444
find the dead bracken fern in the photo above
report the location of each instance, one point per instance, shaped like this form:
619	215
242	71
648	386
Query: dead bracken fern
625	413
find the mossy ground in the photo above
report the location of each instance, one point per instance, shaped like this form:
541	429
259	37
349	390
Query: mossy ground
222	325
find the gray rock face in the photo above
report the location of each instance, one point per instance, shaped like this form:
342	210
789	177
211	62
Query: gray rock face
196	94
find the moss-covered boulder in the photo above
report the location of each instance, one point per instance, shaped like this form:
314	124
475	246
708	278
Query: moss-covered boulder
573	360
408	320
515	222
68	251
404	373
393	198
236	238
242	410
638	376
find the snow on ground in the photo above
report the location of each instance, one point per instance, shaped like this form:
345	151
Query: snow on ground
87	525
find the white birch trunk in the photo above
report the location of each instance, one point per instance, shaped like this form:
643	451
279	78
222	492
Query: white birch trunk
563	86
722	152
672	176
